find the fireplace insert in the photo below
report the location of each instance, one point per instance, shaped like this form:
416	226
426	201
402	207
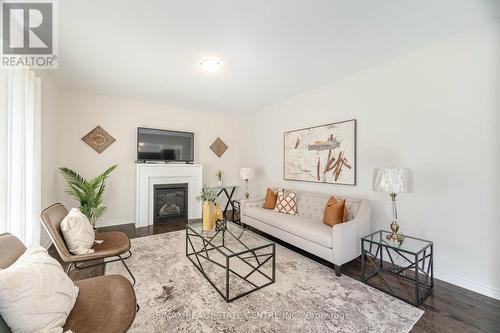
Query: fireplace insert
170	203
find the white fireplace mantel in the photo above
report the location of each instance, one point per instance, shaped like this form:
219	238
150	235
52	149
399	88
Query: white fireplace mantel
149	175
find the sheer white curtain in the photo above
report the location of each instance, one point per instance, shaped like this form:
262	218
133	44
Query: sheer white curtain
20	165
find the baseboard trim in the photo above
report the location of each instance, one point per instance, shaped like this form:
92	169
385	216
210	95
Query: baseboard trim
467	284
112	222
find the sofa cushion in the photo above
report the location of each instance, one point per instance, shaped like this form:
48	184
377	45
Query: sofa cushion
109	244
299	226
312	206
352	208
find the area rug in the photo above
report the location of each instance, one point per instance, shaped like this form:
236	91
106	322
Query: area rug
306	297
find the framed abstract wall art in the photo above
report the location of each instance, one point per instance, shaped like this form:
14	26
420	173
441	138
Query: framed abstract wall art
322	154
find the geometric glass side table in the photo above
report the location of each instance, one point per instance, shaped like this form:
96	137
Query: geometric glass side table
411	260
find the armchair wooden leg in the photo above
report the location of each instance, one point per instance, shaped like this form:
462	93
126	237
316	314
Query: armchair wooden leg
338	270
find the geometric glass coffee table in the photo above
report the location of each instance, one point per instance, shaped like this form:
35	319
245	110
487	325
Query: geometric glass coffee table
410	260
235	261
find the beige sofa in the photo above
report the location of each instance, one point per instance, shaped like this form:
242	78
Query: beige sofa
338	244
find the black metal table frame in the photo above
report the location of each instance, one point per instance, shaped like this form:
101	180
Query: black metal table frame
398	270
204	253
228	195
236	211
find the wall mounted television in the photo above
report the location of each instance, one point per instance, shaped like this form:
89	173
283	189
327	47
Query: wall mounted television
164	146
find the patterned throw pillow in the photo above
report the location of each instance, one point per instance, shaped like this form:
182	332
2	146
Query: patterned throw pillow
286	203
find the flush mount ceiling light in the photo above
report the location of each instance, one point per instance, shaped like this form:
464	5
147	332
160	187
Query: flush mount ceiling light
210	65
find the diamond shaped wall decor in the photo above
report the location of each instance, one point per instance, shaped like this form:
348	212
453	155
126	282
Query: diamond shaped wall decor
98	139
218	147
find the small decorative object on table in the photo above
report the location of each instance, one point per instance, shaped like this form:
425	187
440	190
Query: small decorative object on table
219	174
246	174
208	197
392	181
379	257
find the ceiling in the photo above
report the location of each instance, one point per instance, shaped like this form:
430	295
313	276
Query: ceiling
271	49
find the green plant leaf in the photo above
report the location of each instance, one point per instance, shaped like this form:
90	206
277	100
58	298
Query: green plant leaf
88	193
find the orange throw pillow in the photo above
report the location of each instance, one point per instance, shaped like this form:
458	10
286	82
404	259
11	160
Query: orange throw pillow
271	198
334	212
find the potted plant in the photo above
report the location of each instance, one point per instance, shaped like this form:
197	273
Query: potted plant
208	196
88	193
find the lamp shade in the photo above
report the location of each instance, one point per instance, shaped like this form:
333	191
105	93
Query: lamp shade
247	173
391	180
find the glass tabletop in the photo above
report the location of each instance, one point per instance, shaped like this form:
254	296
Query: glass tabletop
233	240
409	244
217	187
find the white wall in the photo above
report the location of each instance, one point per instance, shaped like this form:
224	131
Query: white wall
49	144
436	111
82	112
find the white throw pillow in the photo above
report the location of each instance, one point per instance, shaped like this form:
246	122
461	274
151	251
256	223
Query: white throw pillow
78	232
35	293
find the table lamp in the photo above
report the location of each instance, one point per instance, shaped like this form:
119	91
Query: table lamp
392	181
246	174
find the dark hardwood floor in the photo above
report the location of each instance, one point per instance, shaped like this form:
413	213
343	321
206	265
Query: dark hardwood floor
448	309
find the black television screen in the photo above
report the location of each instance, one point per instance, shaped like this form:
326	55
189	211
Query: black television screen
162	145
